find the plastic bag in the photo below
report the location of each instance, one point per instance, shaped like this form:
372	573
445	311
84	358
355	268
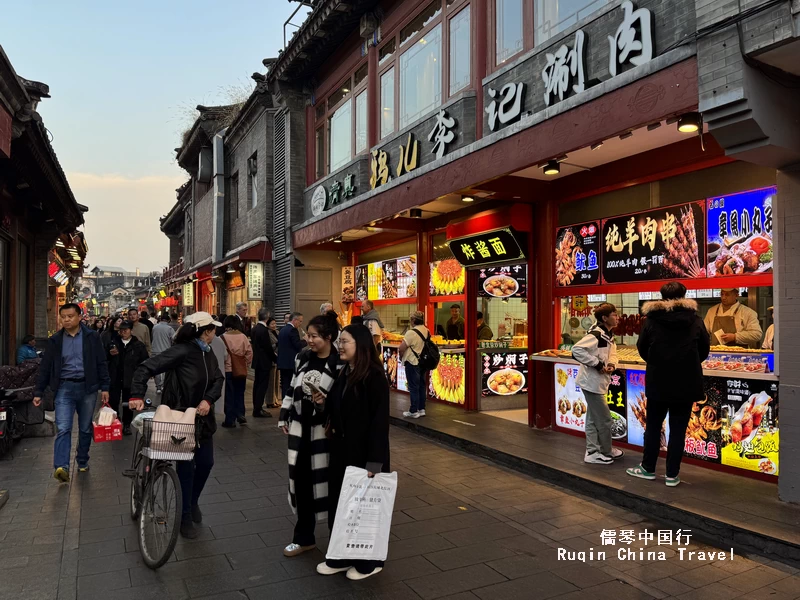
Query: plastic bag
107	427
363	516
105	416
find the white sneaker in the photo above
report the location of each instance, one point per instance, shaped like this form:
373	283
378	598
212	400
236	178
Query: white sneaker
616	453
354	575
421	413
596	458
324	569
414	415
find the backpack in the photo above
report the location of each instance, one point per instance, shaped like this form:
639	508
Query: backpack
428	359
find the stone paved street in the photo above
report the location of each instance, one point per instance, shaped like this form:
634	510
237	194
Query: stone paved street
463	529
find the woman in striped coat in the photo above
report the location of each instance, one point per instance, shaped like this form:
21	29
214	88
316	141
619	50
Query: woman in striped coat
318	366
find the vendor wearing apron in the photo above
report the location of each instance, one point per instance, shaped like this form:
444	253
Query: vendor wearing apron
738	323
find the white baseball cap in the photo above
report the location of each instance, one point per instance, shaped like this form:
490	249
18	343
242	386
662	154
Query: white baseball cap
202	319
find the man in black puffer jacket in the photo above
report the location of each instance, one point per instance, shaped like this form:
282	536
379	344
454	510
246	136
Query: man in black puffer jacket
125	353
674	342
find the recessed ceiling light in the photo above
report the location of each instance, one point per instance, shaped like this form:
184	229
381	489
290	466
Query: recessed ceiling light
337	239
552	168
467	199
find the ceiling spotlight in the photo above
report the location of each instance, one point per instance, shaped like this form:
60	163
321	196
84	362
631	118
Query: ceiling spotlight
653	126
552	168
467	199
415	213
626	135
597	145
230	269
690	122
337	239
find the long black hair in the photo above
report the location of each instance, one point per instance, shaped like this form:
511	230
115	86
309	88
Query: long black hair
366	354
327	325
189	332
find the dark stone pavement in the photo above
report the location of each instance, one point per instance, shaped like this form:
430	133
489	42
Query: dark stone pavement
463	529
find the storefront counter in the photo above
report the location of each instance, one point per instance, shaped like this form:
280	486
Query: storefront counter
735	426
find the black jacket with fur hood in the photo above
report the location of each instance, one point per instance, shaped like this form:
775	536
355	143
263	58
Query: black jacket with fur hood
674	342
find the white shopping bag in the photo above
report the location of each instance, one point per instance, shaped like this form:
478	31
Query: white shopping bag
363	516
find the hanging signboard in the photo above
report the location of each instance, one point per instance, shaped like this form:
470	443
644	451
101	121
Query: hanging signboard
656	244
348	285
362	282
503	282
255	281
188	294
498	246
739	238
577	259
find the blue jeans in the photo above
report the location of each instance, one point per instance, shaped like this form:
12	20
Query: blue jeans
70	398
416	387
234	398
193	475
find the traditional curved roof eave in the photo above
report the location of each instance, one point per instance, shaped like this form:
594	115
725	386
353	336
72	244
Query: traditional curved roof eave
203	129
170	220
12	92
259	101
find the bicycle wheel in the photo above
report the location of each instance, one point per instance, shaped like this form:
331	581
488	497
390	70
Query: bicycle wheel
139	463
160	518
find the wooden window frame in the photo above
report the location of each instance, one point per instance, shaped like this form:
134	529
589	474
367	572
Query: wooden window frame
323	119
444	17
527	35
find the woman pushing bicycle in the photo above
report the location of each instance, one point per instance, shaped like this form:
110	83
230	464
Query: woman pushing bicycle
193	380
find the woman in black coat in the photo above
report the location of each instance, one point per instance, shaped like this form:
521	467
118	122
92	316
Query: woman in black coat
674	343
357	408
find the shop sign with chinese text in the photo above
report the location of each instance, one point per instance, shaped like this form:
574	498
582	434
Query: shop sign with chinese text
578	253
571	407
255	281
188	294
498	246
387	280
348	285
657	244
740	233
504	373
510	281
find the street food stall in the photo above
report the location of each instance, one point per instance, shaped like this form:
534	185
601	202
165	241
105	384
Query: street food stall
720	243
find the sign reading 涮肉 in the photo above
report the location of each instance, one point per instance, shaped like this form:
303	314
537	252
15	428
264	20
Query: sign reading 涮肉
498	246
571	407
510	281
578	255
504	374
348	285
255	281
564	65
740	233
661	243
188	294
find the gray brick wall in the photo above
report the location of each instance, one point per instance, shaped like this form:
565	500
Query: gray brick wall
251	222
42	320
203	223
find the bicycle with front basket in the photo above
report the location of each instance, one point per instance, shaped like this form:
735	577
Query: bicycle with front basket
156	498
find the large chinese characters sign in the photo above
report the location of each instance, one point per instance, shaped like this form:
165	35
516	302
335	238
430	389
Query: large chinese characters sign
577	257
656	244
493	247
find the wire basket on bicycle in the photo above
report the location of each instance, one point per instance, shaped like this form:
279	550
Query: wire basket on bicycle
165	440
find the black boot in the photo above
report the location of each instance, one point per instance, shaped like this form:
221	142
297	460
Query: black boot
188	530
197	515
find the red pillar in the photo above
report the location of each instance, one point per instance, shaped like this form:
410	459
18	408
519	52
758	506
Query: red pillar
542	335
480	35
471	390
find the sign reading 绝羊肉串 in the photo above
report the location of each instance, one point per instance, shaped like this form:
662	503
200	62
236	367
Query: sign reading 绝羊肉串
498	246
255	281
740	233
661	243
578	255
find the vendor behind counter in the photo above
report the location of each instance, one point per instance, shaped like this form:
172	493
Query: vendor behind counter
731	323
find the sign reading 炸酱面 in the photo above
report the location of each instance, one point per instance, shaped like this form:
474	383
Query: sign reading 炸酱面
577	255
498	246
740	233
656	244
509	281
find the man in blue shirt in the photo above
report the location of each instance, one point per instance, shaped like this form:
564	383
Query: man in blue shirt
74	368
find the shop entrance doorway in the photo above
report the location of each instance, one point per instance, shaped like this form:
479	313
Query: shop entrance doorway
313	286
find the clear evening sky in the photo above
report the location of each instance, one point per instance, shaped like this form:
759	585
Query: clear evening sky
123	76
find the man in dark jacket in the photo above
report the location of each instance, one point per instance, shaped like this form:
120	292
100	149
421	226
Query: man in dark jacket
674	342
74	368
289	344
263	359
125	354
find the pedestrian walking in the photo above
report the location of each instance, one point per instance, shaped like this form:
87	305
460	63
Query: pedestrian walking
597	354
125	354
372	320
74	368
241	313
264	358
410	348
357	411
173	321
140	330
162	340
145	320
111	331
674	342
237	361
193	380
275	385
289	344
316	368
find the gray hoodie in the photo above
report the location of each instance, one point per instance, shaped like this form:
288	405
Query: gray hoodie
596	350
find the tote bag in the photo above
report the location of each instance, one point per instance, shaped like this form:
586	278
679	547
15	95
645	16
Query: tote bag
238	363
363	516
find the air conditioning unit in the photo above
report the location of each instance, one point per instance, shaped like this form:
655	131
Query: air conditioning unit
368	25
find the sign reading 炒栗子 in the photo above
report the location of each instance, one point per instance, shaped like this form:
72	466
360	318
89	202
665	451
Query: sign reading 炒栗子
188	294
255	281
492	247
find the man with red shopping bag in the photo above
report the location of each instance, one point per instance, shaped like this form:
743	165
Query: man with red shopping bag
74	368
